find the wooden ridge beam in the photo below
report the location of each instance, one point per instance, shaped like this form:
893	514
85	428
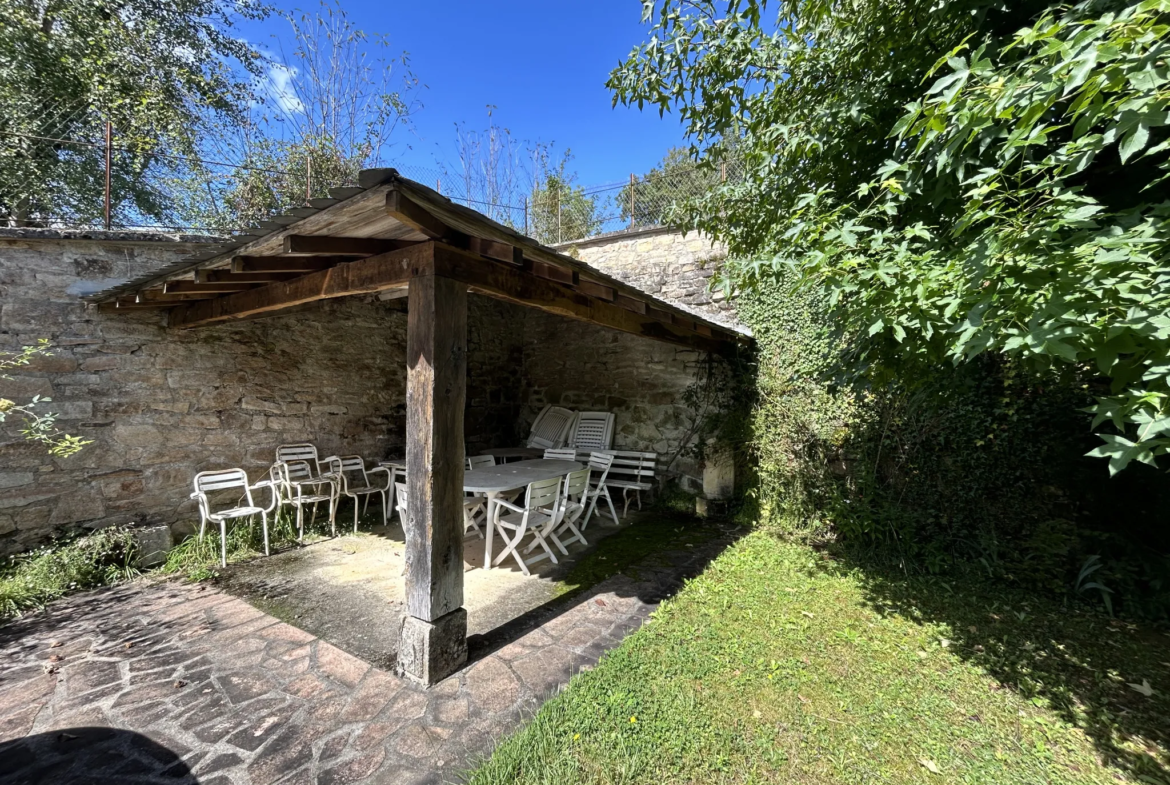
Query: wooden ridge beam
324	245
285	264
405	210
159	296
525	288
391	270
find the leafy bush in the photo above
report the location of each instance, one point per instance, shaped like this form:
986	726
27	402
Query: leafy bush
32	579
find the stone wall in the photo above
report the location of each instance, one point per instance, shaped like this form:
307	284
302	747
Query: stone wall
161	405
588	368
662	262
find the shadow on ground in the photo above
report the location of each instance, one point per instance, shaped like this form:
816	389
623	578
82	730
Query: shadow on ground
81	755
1092	670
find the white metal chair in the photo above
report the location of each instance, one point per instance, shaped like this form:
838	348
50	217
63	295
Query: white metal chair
480	462
538	517
633	472
592	431
305	452
551	427
400	500
560	454
600	463
353	480
230	479
299	486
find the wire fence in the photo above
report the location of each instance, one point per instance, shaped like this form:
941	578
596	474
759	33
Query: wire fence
74	168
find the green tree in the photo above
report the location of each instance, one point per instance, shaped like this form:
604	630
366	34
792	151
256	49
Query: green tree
36	426
332	105
158	72
558	208
961	180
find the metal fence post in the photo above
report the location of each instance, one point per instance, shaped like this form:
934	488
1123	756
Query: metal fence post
109	136
559	237
525	215
633	181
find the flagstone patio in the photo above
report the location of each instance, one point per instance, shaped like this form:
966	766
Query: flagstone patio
237	696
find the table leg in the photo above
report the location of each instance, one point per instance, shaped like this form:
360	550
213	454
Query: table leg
487	548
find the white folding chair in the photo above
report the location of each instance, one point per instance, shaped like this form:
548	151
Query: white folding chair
569	511
353	480
560	454
538	517
475	505
230	479
600	463
305	452
299	486
551	427
592	431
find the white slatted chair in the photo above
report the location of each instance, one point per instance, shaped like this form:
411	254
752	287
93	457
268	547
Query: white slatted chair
299	486
560	454
230	479
307	453
354	480
592	431
574	495
551	428
537	517
475	505
401	499
599	464
633	472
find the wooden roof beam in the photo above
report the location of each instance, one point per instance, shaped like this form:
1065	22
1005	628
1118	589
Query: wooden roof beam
284	264
392	270
193	287
227	276
525	288
324	245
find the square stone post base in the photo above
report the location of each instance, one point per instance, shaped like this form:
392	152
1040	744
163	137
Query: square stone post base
429	652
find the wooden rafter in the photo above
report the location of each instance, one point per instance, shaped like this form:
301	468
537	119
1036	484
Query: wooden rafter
324	245
284	264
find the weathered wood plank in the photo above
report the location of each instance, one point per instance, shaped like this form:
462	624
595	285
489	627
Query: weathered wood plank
285	264
194	287
630	303
403	209
494	249
227	276
310	245
595	289
364	276
509	283
436	382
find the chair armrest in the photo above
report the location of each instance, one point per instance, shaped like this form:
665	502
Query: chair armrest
384	470
501	503
273	493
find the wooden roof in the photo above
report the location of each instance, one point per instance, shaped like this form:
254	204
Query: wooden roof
373	238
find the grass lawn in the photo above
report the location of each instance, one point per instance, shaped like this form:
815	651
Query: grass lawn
780	664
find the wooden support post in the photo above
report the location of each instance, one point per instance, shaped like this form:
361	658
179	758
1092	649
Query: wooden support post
433	643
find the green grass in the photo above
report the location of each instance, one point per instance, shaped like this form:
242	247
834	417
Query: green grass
31	580
779	664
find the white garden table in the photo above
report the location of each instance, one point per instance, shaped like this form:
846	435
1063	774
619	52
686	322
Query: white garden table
494	480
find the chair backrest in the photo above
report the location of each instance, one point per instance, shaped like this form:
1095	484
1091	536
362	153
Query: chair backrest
551	427
223	480
592	431
345	465
299	452
600	462
543	493
400	496
576	483
630	466
480	462
560	454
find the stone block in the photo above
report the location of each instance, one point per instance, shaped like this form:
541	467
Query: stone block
154	543
429	652
100	364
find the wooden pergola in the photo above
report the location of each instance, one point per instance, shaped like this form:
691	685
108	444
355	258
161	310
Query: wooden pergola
390	234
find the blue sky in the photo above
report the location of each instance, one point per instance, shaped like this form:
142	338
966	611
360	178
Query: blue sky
542	64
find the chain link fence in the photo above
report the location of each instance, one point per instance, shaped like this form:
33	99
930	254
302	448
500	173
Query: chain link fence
71	167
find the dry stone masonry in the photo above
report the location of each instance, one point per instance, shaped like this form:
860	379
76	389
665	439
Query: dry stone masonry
162	404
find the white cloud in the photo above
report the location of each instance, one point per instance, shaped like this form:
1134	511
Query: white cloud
278	86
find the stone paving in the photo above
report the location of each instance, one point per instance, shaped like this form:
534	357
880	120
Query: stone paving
171	682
